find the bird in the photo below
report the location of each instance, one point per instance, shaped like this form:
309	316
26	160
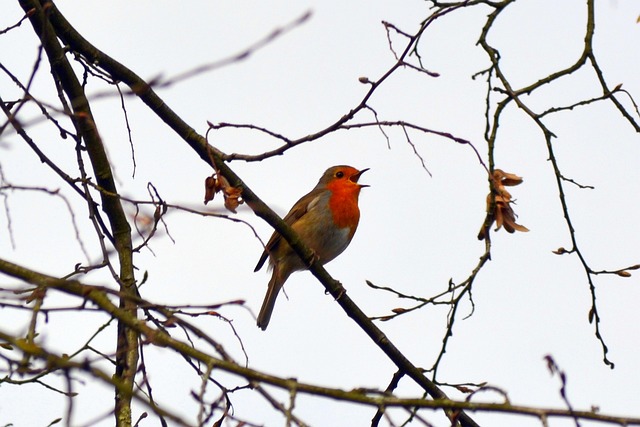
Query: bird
325	219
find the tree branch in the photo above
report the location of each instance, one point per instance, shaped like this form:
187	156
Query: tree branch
82	118
100	298
210	154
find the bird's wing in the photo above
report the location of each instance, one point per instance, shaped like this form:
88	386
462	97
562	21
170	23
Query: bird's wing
300	208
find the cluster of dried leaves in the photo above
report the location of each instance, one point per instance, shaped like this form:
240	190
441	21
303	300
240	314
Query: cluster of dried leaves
218	183
501	212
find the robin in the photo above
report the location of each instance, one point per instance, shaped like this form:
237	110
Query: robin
325	219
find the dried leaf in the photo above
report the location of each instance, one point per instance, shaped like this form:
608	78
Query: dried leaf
518	227
222	183
498	217
209	189
232	198
506	178
501	211
216	183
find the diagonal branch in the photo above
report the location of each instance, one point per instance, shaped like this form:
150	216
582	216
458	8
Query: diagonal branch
211	155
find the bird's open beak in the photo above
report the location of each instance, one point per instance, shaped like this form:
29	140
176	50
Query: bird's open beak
356	177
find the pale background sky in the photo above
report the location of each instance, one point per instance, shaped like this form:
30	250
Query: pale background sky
416	231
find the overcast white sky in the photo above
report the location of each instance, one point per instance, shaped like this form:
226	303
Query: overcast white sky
416	231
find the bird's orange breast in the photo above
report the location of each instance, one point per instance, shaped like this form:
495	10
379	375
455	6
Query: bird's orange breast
343	204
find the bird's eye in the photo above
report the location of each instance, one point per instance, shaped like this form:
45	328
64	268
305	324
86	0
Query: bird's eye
339	174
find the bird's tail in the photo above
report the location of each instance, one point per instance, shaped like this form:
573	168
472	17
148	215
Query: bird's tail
275	284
